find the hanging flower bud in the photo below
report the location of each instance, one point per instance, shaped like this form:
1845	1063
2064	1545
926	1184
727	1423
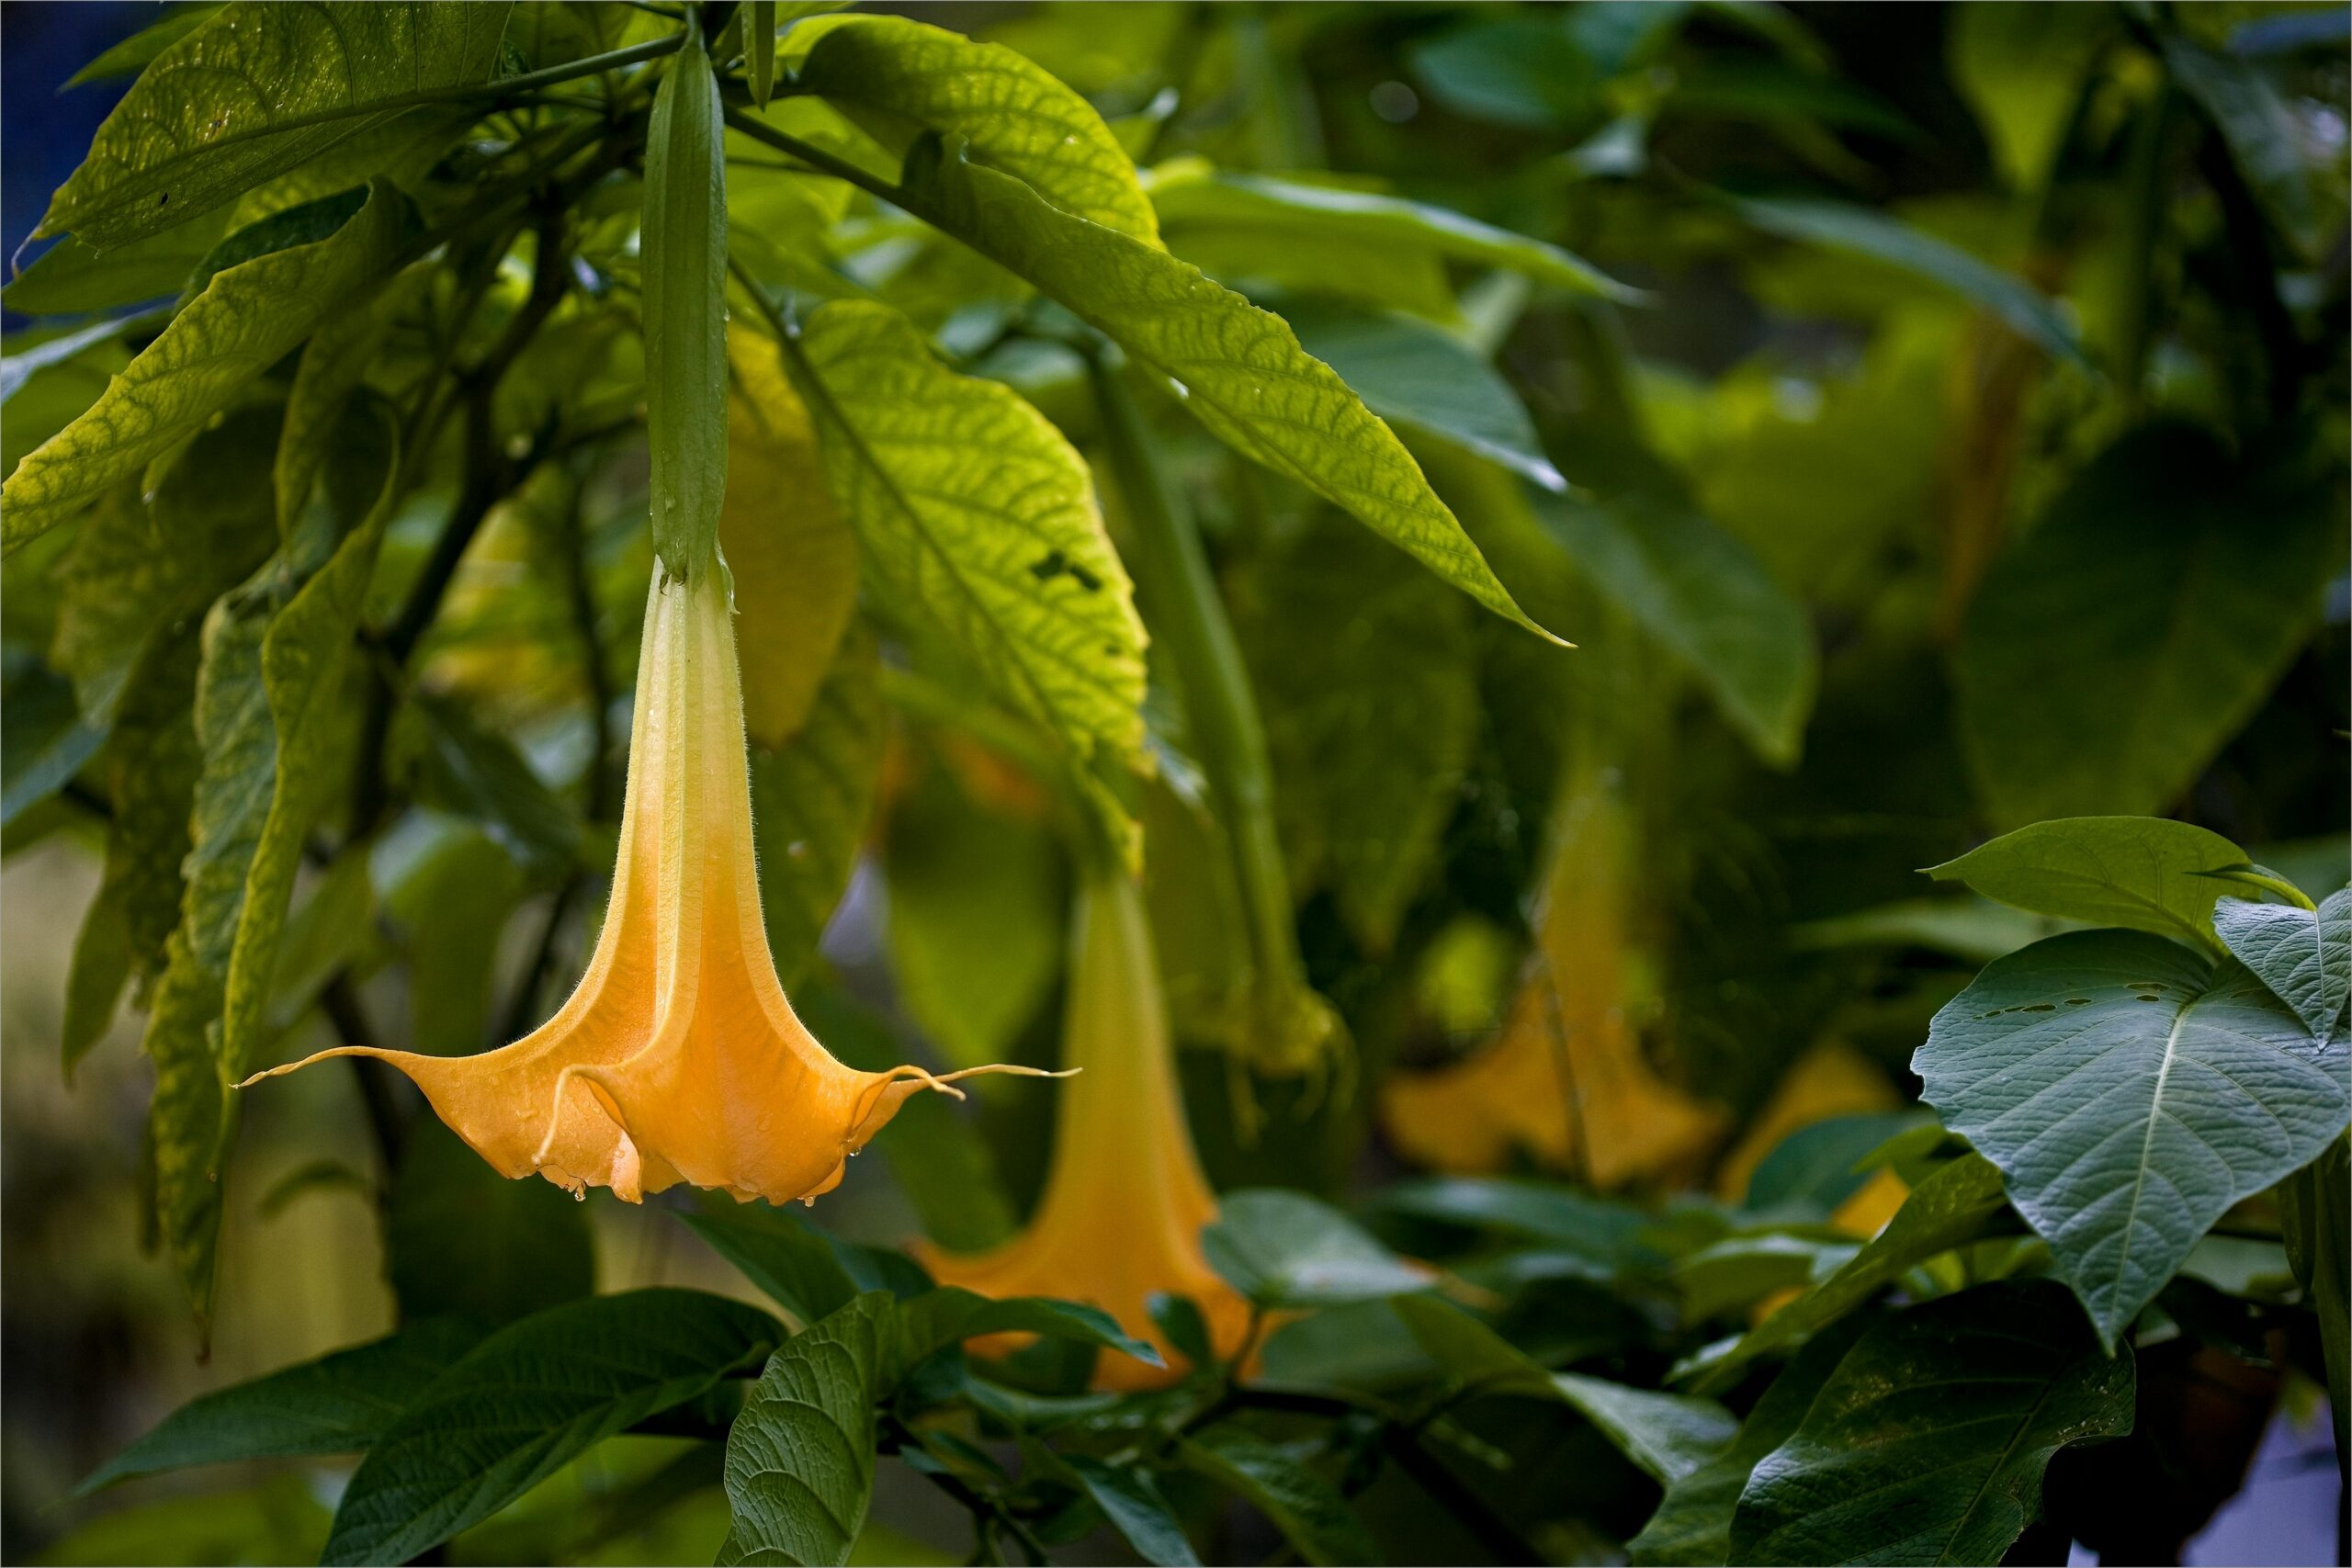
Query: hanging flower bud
1124	1199
677	1058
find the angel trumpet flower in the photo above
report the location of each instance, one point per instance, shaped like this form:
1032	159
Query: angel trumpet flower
1124	1198
677	1058
1567	1083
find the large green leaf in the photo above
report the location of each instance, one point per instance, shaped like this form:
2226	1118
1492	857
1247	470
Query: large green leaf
1285	1249
1189	193
2145	872
1860	232
2303	956
71	277
800	1457
246	318
449	889
1131	1500
2110	654
931	1322
981	522
1240	368
1366	673
1668	1436
527	1400
1699	590
812	797
2130	1090
684	243
1692	1525
253	93
1310	1512
461	1239
1928	1442
798	1266
1959	1203
891	71
1412	374
335	1405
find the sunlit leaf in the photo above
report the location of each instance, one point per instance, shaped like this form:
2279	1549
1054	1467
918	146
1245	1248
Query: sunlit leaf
2148	873
800	1457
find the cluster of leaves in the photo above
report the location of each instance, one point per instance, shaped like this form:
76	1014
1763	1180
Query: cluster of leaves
325	530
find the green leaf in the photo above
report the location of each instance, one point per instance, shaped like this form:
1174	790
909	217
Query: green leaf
2259	129
980	520
1240	368
1692	1525
2131	1092
2023	69
1698	589
2304	957
1190	193
1131	1500
1817	1168
133	55
800	1457
2112	652
150	765
276	1521
60	348
461	1239
760	44
1309	1511
1668	1436
1521	70
94	981
1858	231
948	1315
71	277
246	318
1959	1203
475	772
1366	671
338	1404
2315	1221
1285	1249
794	1263
43	741
1928	1442
333	367
1412	374
253	93
889	71
2147	874
527	1401
812	798
685	242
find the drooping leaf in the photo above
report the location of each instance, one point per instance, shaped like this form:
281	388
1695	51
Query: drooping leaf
1961	1202
1285	1249
2130	1090
71	277
461	1239
26	360
948	1315
2259	129
2145	873
95	978
44	741
1241	369
1928	1442
1692	1525
524	1402
1309	1511
800	1457
1860	231
150	766
979	518
246	318
890	72
2303	956
1698	589
2115	650
253	92
133	55
338	1404
685	310
759	44
795	1264
1131	1500
1412	374
1668	1436
1190	193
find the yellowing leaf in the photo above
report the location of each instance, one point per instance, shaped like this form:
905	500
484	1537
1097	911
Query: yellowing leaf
253	92
1014	114
247	317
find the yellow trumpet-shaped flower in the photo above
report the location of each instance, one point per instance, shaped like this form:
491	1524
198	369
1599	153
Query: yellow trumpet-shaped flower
677	1058
1567	1083
1124	1199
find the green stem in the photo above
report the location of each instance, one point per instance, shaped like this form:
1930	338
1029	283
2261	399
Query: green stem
1226	733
